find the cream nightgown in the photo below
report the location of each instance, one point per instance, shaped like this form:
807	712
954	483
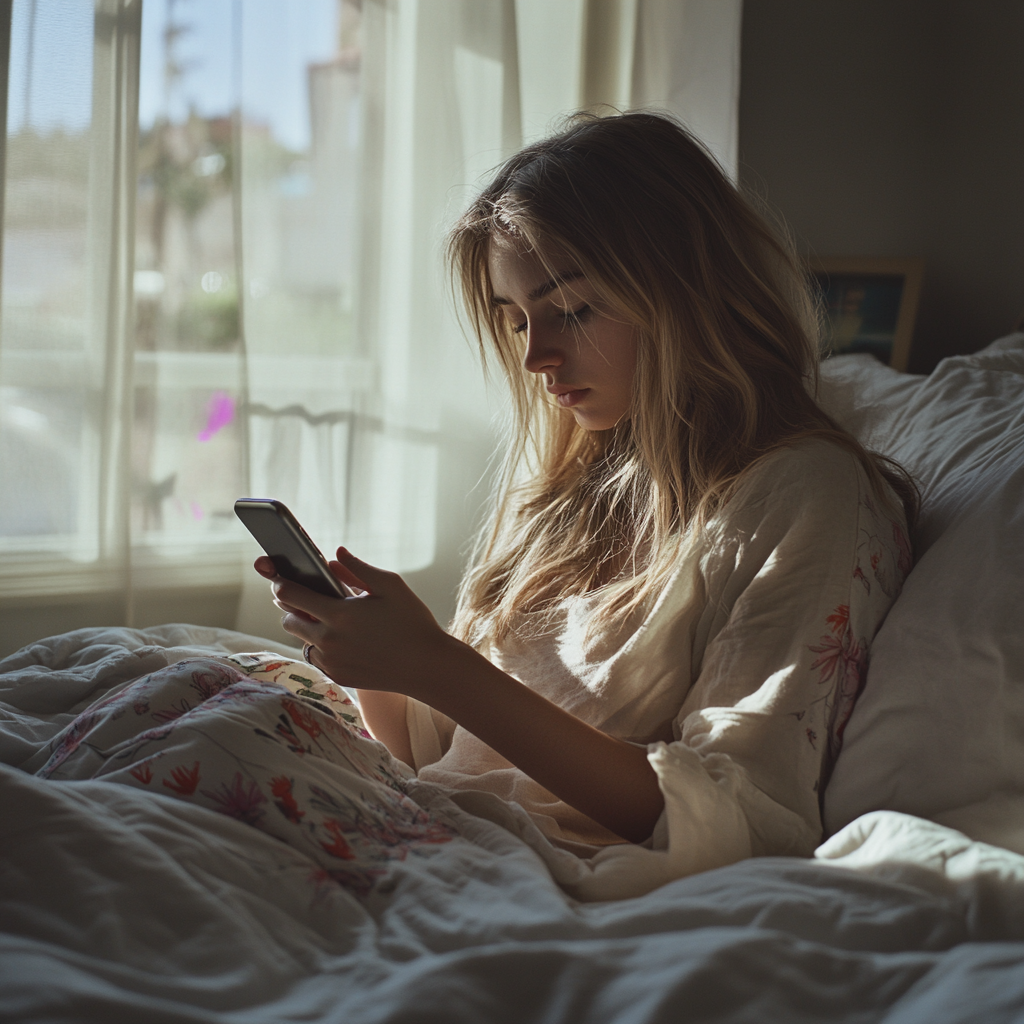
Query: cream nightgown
739	678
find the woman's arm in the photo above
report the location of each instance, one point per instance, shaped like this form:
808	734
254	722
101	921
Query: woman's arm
383	714
607	779
388	642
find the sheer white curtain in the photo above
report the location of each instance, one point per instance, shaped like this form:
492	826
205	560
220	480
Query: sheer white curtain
385	448
681	56
66	335
382	445
687	61
246	296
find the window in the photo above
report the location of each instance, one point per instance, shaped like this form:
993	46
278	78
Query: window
221	270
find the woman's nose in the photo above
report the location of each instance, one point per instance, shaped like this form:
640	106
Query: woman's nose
543	350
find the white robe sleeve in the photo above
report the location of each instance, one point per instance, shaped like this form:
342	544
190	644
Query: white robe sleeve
806	564
430	733
798	572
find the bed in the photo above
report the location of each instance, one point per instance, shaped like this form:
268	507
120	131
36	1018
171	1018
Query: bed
122	905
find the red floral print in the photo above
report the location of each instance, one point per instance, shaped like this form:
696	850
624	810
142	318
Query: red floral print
858	574
210	681
840	656
354	824
239	800
338	847
281	787
303	718
287	733
839	619
184	779
843	662
176	710
273	666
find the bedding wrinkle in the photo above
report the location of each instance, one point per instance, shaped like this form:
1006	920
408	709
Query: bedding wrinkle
213	917
265	742
125	899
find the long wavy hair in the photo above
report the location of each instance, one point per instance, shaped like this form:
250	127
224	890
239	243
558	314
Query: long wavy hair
727	362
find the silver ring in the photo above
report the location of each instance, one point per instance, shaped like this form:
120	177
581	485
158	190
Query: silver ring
306	648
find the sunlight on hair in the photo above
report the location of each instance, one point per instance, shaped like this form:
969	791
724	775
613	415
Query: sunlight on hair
726	366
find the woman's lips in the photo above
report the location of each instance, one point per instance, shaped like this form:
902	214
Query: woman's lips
567	399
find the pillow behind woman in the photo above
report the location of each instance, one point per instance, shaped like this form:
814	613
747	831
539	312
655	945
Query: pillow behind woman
939	729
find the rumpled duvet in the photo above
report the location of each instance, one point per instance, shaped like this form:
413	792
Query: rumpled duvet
123	899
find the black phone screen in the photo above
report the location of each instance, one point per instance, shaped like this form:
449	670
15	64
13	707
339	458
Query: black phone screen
294	555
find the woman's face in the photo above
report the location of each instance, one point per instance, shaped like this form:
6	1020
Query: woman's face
586	354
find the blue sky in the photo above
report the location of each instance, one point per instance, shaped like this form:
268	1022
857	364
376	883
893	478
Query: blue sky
60	91
279	39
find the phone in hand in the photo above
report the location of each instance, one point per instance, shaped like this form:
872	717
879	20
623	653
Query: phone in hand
294	555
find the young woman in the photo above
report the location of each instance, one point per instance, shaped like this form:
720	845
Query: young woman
666	621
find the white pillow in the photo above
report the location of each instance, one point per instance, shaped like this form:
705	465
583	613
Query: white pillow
939	729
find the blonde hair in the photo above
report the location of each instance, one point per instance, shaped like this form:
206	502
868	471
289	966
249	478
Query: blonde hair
727	357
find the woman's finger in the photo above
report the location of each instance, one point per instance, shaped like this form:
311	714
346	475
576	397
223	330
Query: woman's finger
302	599
264	565
349	578
367	577
301	627
297	612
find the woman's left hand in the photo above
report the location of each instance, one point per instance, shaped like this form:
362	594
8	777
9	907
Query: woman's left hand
386	639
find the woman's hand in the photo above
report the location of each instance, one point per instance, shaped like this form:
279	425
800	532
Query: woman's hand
386	639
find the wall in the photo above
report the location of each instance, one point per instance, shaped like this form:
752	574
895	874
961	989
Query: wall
896	128
24	620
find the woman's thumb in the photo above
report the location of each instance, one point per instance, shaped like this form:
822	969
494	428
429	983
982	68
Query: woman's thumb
363	575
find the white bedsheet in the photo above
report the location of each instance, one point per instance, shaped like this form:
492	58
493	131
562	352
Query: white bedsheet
120	905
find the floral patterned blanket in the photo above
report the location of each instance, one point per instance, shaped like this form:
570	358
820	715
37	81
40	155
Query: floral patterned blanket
190	835
267	741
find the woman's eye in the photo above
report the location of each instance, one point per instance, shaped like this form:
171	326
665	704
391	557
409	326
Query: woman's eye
519	328
574	317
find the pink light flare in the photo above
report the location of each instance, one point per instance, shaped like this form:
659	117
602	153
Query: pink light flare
220	411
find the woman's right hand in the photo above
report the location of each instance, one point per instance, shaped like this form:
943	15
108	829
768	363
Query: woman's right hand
382	712
264	565
385	639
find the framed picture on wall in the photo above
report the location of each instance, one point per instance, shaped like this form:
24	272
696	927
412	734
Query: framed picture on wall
869	305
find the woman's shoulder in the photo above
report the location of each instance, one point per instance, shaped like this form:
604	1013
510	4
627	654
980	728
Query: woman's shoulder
804	502
809	471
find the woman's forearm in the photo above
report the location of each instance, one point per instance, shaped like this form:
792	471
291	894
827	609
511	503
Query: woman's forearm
383	714
607	779
389	642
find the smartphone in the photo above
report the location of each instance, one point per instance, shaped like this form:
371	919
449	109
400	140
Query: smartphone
294	555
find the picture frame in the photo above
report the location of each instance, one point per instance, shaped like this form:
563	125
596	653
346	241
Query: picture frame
869	304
